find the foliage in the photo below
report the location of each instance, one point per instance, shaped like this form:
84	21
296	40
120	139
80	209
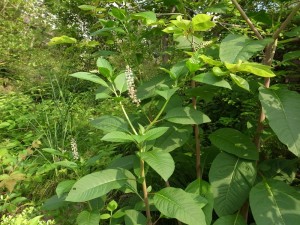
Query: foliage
175	82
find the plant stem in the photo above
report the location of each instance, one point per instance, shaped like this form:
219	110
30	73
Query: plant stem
158	115
127	118
197	138
145	192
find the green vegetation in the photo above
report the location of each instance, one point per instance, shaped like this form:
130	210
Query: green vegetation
149	112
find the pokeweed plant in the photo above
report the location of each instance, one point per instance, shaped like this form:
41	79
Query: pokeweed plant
233	173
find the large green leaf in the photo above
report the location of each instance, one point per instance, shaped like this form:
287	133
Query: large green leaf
176	203
205	92
104	67
251	67
120	82
149	16
160	161
90	77
88	218
175	137
98	184
133	217
110	124
275	203
239	47
117	136
282	108
210	78
63	187
125	162
203	188
234	142
202	22
231	179
155	133
241	82
236	219
87	7
186	115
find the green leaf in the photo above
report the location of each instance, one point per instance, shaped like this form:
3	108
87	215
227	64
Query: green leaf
90	77
241	82
176	203
62	40
104	216
98	184
274	202
112	206
66	163
149	17
202	188
110	124
64	186
118	13
133	217
160	161
239	47
155	133
175	137
120	83
231	179
166	92
218	72
210	78
205	92
291	55
236	219
117	136
88	218
178	70
104	67
125	162
210	61
87	7
103	93
52	151
186	115
202	22
282	108
54	203
234	142
254	68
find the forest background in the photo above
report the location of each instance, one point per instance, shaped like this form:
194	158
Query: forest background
149	112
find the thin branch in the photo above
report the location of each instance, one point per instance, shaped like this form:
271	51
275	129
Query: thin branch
246	18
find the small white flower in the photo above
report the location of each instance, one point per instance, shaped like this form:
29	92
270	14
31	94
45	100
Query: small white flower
74	149
131	86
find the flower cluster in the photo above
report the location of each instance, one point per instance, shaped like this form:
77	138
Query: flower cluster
204	44
131	86
74	149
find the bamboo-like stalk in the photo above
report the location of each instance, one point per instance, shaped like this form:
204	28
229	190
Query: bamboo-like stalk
145	192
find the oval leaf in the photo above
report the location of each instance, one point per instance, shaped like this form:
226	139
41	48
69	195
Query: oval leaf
88	218
117	136
90	77
274	202
282	108
186	115
239	47
104	67
63	187
231	179
241	82
176	203
161	162
203	188
110	124
210	78
98	184
234	142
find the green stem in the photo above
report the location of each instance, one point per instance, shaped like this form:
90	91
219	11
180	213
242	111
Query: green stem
158	115
145	192
128	120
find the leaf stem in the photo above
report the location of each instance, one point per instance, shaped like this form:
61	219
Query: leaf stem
158	115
